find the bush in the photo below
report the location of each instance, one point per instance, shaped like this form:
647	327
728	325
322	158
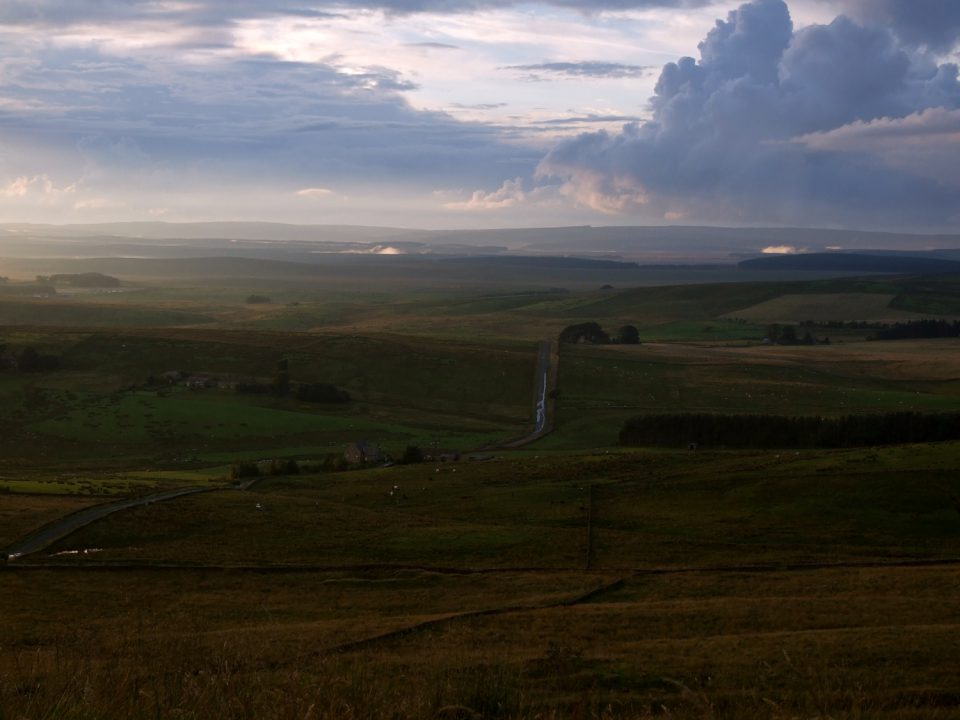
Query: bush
32	361
331	462
411	455
244	470
777	431
322	392
284	467
628	335
584	332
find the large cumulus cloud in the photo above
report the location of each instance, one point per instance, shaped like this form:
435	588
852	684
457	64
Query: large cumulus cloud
725	139
933	23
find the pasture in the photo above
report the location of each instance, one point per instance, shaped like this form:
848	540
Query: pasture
824	308
623	585
107	395
607	511
569	579
600	386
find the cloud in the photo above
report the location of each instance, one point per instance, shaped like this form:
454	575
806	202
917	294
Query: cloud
57	13
932	23
98	203
592	118
509	194
924	144
314	193
127	121
478	106
580	70
731	137
19	187
434	46
37	188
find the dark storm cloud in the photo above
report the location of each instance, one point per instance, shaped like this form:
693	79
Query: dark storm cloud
593	70
934	23
720	143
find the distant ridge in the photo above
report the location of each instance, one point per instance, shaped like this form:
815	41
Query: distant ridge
265	231
671	244
853	262
542	261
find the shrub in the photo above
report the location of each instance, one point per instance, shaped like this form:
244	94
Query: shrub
244	470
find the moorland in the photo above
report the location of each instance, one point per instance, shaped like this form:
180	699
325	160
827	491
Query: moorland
467	569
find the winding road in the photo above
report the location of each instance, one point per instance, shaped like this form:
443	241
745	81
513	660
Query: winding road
543	422
51	533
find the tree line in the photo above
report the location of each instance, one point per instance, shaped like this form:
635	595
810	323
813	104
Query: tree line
591	332
916	329
27	360
779	431
283	386
85	280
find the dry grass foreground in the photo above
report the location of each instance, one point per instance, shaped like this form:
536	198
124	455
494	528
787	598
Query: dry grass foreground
514	627
838	643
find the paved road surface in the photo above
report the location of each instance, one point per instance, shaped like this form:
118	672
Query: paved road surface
49	534
541	391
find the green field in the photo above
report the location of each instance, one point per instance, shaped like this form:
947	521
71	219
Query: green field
569	578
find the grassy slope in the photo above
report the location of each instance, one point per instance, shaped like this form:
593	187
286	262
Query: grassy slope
649	509
847	643
602	386
405	391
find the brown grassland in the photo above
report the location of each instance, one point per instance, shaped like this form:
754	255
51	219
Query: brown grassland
570	579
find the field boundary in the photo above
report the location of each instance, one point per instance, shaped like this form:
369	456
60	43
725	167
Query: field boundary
85	566
456	617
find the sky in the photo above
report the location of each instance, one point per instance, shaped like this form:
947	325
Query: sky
482	113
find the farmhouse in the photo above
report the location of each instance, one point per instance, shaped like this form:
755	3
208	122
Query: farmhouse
230	382
441	455
171	377
363	452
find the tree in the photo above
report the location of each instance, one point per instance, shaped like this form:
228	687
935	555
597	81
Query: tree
244	470
788	335
322	392
584	332
411	455
281	381
29	360
628	335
